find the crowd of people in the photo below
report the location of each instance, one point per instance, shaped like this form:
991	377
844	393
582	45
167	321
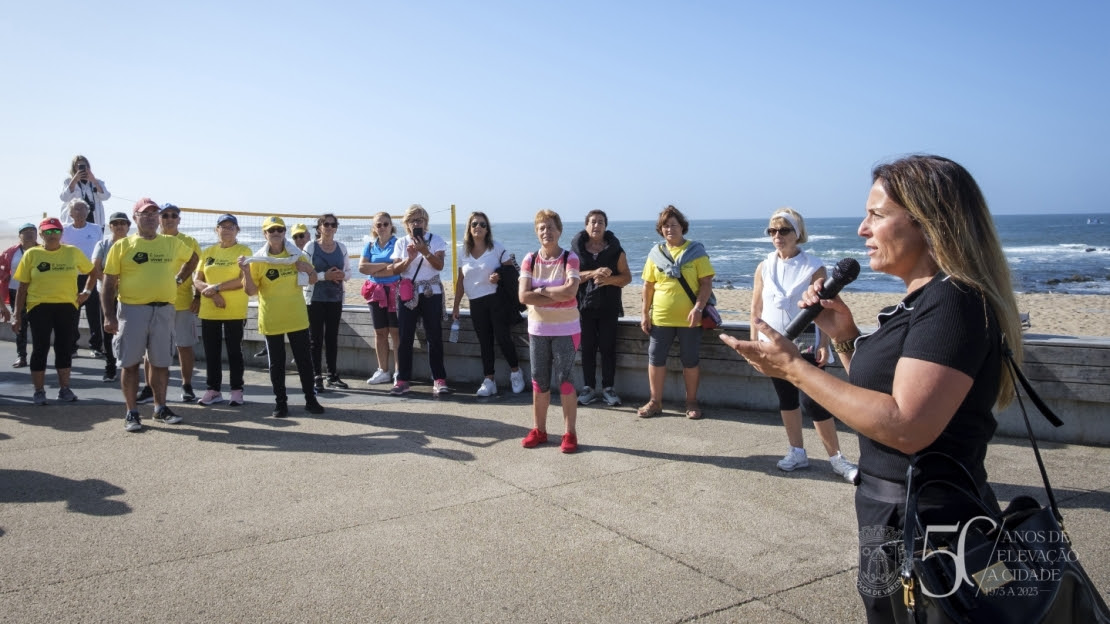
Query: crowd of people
926	380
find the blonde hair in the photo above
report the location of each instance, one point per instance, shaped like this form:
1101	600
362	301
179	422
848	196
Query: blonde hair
374	227
946	203
544	215
416	210
798	224
73	164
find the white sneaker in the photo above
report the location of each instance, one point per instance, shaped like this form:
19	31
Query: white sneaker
488	388
517	380
611	399
379	377
587	396
795	458
844	468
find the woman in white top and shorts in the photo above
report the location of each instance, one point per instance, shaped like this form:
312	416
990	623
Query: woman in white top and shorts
780	281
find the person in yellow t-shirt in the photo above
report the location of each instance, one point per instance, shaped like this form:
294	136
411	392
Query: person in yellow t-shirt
668	311
144	271
48	292
223	309
185	308
282	311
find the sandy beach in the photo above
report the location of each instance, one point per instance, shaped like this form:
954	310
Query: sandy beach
1054	314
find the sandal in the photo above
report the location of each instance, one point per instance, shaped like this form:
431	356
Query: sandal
693	412
649	409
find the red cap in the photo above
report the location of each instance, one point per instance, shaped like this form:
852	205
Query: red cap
50	224
143	203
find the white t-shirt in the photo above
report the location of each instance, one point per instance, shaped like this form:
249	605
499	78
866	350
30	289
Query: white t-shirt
435	245
83	238
476	271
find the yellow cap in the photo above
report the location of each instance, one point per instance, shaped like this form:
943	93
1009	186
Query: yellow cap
271	222
300	228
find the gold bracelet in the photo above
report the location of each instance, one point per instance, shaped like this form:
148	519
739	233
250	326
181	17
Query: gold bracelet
844	347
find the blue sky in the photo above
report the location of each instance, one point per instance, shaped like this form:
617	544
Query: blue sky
725	109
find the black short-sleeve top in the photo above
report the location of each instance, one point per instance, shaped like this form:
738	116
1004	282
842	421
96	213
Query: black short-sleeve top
948	323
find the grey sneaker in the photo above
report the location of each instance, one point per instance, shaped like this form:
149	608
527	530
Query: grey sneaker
587	396
611	399
795	458
166	415
65	394
132	422
844	468
40	397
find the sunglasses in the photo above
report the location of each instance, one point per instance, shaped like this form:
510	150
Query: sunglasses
330	225
113	223
167	215
779	231
51	232
481	224
296	236
279	230
383	225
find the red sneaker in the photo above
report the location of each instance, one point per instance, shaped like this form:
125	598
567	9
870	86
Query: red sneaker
534	438
570	443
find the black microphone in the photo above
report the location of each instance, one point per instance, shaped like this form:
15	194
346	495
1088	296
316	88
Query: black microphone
845	272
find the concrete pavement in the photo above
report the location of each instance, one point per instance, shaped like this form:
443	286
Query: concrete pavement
422	509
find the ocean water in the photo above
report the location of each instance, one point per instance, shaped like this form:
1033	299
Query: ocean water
1047	253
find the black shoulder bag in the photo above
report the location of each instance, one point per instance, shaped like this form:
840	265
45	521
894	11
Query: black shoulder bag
1013	566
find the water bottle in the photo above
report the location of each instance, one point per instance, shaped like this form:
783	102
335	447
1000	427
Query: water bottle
454	331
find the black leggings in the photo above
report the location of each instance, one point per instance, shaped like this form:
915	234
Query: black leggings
323	322
214	334
275	351
790	397
46	319
429	308
599	333
489	323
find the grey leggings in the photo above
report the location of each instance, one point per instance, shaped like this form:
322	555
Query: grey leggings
689	341
552	355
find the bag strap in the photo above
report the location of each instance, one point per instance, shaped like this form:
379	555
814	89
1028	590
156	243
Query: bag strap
1017	376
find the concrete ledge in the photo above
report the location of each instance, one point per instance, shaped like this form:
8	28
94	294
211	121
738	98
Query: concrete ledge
1068	372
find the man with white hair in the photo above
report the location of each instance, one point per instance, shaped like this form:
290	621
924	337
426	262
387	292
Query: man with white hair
84	234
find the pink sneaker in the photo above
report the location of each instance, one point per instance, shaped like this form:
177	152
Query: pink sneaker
211	397
534	438
236	398
570	443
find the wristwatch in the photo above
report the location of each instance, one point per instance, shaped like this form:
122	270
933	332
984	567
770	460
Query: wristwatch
179	280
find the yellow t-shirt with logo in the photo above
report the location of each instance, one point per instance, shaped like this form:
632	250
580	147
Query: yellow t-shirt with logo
51	276
670	305
185	290
220	264
147	268
281	306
